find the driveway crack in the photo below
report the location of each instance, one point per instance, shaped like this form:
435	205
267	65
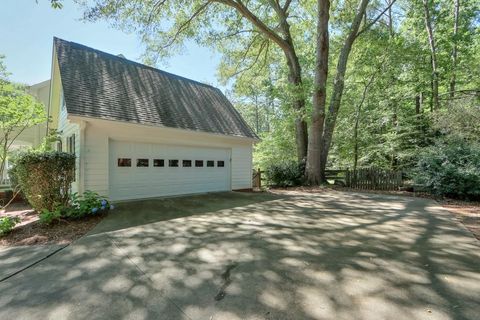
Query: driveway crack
226	281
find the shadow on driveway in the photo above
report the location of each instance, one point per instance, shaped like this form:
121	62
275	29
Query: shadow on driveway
331	255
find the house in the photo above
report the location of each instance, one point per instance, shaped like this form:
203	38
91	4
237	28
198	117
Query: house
31	137
139	132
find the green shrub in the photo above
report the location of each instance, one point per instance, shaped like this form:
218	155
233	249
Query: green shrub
45	178
450	168
90	203
285	174
7	224
48	217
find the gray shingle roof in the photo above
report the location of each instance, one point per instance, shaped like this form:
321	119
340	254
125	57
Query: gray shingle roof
100	85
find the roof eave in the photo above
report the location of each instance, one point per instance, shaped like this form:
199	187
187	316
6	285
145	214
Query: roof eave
78	117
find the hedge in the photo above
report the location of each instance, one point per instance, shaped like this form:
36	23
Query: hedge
45	178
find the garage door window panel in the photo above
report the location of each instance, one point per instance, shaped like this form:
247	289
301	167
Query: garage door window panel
158	162
198	163
173	163
142	162
187	163
210	163
124	162
220	163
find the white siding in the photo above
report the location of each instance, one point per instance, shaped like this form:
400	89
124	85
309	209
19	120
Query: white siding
242	167
96	160
99	133
67	128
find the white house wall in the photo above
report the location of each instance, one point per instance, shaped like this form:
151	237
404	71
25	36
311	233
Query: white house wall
99	133
67	128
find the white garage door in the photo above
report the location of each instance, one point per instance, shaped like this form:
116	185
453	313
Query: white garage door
143	170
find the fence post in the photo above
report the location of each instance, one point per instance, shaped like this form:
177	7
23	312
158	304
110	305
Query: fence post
259	177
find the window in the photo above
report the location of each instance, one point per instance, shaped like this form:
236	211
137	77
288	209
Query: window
210	163
71	144
142	162
173	163
186	163
124	162
220	163
158	163
198	163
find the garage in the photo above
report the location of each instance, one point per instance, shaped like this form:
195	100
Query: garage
145	170
147	133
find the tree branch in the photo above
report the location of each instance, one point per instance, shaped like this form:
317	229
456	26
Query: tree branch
286	5
262	47
186	23
368	26
250	16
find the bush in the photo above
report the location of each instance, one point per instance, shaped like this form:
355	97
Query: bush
79	207
89	204
45	178
450	168
285	174
7	224
48	217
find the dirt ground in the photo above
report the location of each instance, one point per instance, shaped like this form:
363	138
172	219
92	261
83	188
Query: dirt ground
467	212
31	232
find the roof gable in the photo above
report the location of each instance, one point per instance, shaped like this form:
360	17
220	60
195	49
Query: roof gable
100	85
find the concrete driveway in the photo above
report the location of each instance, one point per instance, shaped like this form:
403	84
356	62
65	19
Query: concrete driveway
330	255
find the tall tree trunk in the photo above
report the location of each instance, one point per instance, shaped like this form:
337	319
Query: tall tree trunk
301	134
453	79
417	104
390	18
357	119
295	72
433	53
313	169
295	78
338	86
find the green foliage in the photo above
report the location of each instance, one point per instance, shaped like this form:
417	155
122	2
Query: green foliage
460	119
395	52
48	143
450	168
18	111
56	4
285	174
48	217
45	178
89	204
7	224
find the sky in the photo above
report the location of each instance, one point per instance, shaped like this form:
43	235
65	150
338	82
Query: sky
27	29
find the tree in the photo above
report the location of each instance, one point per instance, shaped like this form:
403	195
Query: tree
433	52
18	111
164	25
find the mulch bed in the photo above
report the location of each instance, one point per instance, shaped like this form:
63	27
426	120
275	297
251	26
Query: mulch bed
31	232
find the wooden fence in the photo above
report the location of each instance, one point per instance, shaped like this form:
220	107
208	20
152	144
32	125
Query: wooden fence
364	179
373	179
257	178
